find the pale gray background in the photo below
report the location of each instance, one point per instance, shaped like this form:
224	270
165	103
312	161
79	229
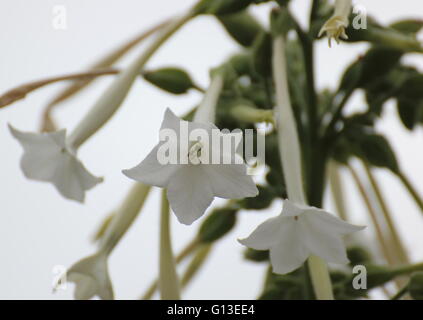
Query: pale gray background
39	229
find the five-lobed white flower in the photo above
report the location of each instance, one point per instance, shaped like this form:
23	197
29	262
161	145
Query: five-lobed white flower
192	186
47	157
336	25
298	232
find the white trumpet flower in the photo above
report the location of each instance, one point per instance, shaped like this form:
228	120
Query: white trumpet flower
299	232
47	157
193	184
336	25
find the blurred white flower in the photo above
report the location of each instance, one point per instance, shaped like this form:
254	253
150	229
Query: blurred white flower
336	25
298	232
191	186
91	277
48	158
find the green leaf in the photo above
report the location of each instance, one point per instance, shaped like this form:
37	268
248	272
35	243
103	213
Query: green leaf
412	88
217	224
262	201
409	26
221	7
256	255
376	150
171	79
410	112
352	76
242	27
262	55
377	63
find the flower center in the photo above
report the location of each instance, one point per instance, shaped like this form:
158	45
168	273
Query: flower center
194	153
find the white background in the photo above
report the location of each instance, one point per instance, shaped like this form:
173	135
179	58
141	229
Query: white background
39	229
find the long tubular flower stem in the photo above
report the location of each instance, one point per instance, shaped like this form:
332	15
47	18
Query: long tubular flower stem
104	62
337	189
196	263
185	252
291	158
206	111
113	97
400	250
124	217
168	279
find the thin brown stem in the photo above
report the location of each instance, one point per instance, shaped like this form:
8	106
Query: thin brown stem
21	91
372	214
410	188
400	250
105	62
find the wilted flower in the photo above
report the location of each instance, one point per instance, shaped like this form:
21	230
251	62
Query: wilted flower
91	277
91	274
336	25
192	184
47	157
298	232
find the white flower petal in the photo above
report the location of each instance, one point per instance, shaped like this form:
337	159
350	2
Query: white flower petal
331	223
265	235
170	121
290	252
91	278
150	171
189	193
230	181
46	158
322	241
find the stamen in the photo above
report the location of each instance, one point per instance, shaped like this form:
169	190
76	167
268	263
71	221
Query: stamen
194	153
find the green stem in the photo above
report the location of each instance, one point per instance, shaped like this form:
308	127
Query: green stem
206	111
168	278
338	113
196	263
313	11
400	293
113	97
402	254
186	252
124	217
409	269
320	278
411	189
312	129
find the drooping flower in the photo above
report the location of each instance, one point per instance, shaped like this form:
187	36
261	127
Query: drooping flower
91	277
336	25
91	274
47	157
192	184
298	232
